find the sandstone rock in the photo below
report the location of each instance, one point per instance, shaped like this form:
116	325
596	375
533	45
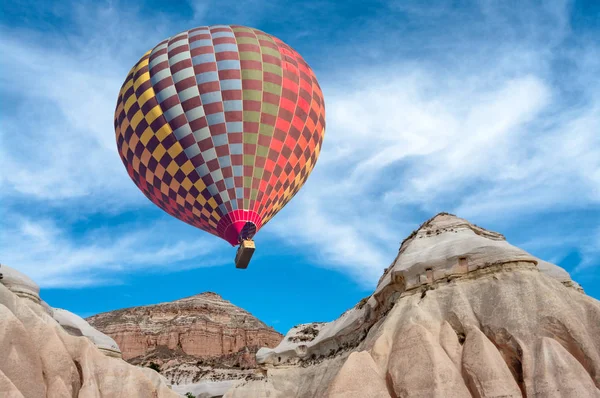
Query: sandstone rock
203	344
40	359
358	378
206	389
77	326
296	381
23	286
557	273
484	369
19	283
418	366
559	374
460	312
201	326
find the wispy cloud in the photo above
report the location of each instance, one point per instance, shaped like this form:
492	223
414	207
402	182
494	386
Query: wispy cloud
59	161
55	256
60	91
498	136
488	111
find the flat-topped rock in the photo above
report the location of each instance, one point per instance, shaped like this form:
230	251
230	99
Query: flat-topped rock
204	325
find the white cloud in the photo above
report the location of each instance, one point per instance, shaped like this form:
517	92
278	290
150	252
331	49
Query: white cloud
498	138
336	239
495	119
58	136
590	261
56	257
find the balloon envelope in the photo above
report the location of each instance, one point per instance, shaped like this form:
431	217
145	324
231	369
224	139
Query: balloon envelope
220	126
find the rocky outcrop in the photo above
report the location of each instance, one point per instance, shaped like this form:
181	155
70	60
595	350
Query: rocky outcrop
459	313
41	359
21	285
77	326
201	326
201	343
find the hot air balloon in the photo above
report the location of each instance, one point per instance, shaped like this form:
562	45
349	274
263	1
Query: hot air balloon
220	126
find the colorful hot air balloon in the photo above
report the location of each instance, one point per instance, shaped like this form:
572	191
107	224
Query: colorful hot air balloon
220	126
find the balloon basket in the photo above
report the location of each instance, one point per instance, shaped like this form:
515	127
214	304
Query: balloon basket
244	254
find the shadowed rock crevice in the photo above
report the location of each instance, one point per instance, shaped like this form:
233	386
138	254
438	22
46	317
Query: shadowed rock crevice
390	385
553	328
489	377
79	372
511	352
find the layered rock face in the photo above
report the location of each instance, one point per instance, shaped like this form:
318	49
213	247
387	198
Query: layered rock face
201	326
41	358
203	344
460	313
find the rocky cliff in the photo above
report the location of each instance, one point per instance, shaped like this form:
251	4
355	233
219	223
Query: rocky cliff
202	339
48	352
459	313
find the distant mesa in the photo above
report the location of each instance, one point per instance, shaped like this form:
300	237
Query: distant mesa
201	343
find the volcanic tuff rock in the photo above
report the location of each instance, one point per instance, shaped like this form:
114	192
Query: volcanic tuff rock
21	285
198	339
201	326
459	313
40	358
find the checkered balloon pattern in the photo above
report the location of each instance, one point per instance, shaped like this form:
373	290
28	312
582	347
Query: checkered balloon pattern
220	126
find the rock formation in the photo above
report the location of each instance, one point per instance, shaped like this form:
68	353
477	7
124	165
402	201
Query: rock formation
77	326
201	326
21	285
459	313
40	358
202	343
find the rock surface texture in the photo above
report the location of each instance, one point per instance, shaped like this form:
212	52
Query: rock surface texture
460	313
202	343
39	358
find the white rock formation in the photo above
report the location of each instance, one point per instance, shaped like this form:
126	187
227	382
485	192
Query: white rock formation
459	313
40	359
21	285
205	389
77	326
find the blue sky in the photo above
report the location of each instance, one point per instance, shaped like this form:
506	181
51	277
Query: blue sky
490	111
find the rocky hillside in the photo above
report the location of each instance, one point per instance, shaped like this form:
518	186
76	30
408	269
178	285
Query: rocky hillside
49	352
459	313
202	338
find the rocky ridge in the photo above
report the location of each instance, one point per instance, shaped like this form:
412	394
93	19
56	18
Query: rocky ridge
199	340
460	313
